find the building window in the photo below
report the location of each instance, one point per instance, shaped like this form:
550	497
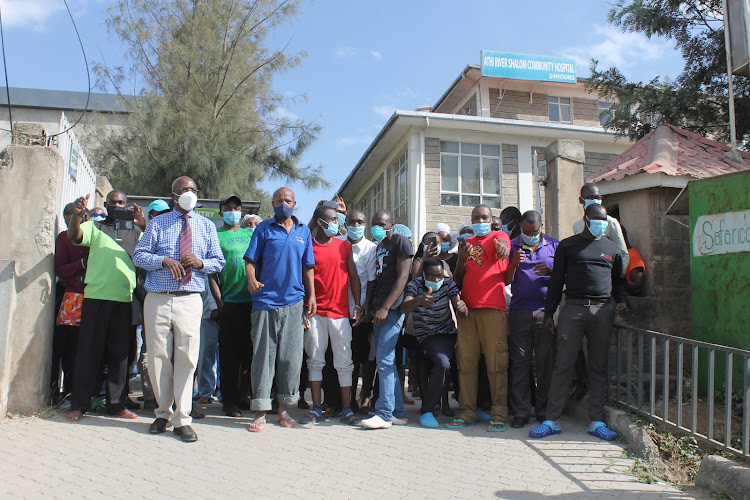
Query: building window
559	109
399	182
377	195
606	113
469	174
470	108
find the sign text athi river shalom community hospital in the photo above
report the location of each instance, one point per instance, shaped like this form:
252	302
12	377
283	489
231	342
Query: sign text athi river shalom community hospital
528	67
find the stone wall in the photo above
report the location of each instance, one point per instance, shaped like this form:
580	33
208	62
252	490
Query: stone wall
30	181
664	245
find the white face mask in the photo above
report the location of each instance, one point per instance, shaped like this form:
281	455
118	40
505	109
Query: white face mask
187	200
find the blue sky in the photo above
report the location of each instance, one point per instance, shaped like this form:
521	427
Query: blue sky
365	59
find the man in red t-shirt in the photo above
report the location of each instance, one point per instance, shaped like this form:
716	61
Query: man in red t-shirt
335	273
482	261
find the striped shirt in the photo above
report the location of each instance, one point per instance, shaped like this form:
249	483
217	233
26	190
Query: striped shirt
161	239
435	320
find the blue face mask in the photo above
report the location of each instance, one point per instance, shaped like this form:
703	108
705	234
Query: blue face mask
597	227
342	218
355	233
232	218
588	203
530	240
433	285
332	229
378	233
444	247
98	218
283	211
465	236
505	229
481	228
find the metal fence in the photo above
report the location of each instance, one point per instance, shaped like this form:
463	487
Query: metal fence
79	178
673	381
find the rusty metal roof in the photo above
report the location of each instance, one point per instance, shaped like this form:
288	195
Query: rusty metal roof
672	151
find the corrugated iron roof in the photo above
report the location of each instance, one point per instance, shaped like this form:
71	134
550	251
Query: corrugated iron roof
673	151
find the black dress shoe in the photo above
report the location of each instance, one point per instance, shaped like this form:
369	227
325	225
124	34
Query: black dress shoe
196	414
158	426
186	433
519	422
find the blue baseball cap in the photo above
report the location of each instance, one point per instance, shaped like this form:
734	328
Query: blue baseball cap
157	206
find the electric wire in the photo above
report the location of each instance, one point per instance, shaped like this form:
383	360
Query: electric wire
5	69
88	76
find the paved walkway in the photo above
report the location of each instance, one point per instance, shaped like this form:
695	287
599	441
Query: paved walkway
101	456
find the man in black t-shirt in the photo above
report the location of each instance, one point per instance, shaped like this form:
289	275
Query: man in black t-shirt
393	263
592	271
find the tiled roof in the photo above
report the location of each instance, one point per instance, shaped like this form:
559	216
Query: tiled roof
672	151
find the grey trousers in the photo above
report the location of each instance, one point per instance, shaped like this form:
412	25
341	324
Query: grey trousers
576	322
278	344
527	337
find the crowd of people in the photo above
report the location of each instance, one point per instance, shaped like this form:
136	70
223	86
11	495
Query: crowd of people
252	313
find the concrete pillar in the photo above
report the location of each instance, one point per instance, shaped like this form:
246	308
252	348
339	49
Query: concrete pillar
30	183
565	159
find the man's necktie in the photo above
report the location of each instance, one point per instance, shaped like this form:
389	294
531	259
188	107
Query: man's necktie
186	246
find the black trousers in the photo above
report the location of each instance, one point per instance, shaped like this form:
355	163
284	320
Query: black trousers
64	345
576	322
526	338
235	351
441	350
104	337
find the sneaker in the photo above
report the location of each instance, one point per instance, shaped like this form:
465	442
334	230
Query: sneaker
428	420
375	422
399	421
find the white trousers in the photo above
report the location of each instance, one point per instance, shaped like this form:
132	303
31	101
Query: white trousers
173	333
339	331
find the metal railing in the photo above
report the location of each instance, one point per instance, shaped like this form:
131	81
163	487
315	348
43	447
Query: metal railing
79	178
656	374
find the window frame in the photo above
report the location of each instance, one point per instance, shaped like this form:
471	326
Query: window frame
481	194
610	108
560	106
399	199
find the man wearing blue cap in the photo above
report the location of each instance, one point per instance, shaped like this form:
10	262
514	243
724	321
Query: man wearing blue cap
156	208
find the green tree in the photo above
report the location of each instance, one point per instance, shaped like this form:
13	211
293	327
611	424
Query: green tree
697	99
203	105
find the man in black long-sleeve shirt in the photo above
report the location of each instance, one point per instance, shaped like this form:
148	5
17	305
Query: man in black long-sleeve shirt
591	269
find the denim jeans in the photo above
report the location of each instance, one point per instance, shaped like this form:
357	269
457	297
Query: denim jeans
208	359
390	401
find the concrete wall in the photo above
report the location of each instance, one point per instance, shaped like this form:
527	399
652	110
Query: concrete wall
30	180
565	159
664	245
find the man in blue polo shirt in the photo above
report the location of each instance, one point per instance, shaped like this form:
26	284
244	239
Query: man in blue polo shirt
529	275
279	266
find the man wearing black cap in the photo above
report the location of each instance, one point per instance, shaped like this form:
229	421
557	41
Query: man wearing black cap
235	307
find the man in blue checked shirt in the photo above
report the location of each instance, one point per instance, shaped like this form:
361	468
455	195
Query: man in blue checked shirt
179	249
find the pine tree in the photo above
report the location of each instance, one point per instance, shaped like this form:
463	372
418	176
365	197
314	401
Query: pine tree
205	105
697	99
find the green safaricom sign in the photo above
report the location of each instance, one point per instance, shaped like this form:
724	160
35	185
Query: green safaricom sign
528	67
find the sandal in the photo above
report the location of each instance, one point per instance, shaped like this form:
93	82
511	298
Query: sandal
458	423
547	428
74	416
315	414
601	431
348	417
287	422
256	426
497	426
